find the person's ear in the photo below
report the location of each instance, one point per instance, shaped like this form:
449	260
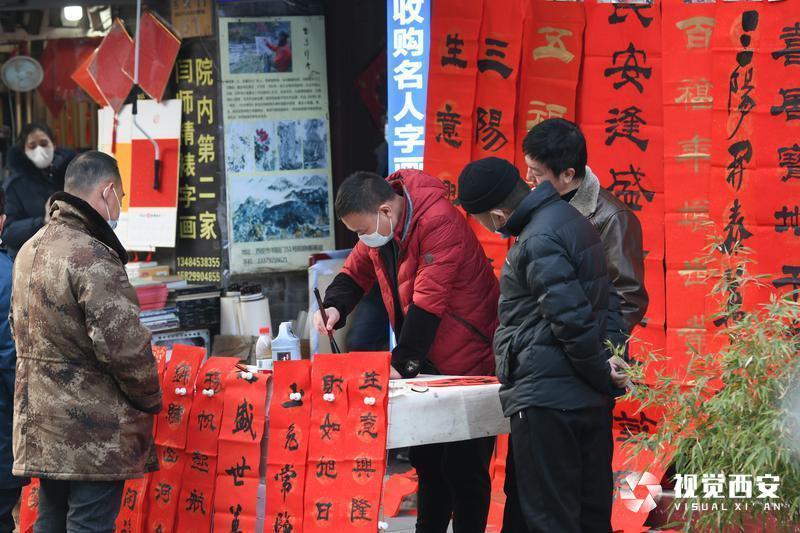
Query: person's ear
385	209
567	176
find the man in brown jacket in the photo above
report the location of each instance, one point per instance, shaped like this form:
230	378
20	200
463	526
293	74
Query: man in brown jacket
555	151
87	384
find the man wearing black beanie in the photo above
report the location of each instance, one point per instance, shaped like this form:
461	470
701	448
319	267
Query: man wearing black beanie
550	357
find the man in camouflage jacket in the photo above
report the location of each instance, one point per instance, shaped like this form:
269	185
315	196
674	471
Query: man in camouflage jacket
87	384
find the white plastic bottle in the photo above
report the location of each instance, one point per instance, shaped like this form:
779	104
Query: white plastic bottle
264	349
286	346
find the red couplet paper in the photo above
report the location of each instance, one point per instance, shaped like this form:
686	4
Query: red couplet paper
205	420
687	100
343	488
328	407
635	476
244	413
233	519
452	75
236	462
620	112
636	487
289	413
288	444
178	390
29	506
466	381
196	503
160	355
773	204
367	427
552	47
163	492
326	482
237	479
285	492
499	50
737	98
195	508
132	512
239	452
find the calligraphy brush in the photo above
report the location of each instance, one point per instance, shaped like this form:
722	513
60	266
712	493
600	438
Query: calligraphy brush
334	346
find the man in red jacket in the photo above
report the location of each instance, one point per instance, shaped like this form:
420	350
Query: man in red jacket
441	295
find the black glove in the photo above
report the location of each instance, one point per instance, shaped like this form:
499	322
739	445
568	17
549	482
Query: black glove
416	339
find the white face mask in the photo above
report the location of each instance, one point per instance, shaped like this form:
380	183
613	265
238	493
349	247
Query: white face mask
41	156
113	223
502	231
376	240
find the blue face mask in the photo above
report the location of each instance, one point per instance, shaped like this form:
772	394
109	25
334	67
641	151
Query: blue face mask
113	223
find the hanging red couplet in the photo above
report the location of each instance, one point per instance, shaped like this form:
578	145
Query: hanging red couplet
552	47
164	490
133	509
178	391
620	112
244	413
452	75
237	481
289	413
239	454
29	506
205	420
499	49
289	418
195	506
326	483
367	426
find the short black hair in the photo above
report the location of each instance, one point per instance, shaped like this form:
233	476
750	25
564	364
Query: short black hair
520	191
362	192
558	144
31	127
2	202
88	170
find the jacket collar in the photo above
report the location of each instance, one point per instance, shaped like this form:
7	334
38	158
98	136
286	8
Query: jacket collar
71	208
542	195
585	200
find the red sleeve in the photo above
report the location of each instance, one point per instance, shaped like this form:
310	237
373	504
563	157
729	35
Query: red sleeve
273	47
360	268
440	254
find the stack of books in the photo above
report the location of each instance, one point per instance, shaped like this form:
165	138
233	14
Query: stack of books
160	319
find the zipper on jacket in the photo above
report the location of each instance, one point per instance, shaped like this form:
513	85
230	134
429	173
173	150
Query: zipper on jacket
469	326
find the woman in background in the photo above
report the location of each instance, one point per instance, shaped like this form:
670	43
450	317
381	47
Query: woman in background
37	171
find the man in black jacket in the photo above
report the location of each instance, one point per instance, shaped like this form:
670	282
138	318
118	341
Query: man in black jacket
550	357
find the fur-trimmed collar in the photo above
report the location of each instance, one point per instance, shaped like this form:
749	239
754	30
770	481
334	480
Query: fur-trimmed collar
91	219
585	200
